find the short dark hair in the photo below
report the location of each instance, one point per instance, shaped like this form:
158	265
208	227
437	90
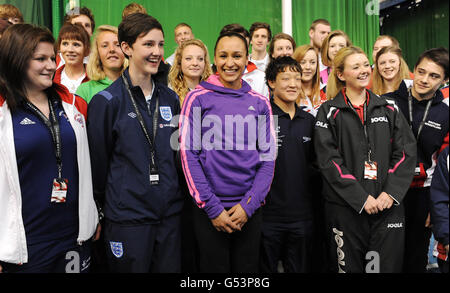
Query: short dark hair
8	10
281	36
133	8
77	11
319	21
280	64
438	56
181	25
258	25
236	28
231	34
136	24
74	32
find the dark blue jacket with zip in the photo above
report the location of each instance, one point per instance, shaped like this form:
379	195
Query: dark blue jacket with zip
120	154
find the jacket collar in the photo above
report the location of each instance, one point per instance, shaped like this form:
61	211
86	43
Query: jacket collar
403	93
276	110
137	89
374	101
213	83
61	90
58	72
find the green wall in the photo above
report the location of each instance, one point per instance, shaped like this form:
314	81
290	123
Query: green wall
419	28
34	11
207	17
350	16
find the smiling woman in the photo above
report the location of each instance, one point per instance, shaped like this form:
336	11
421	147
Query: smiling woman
230	57
190	67
366	153
134	165
390	69
230	185
311	96
106	62
73	43
45	150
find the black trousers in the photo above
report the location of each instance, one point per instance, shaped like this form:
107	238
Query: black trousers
361	243
417	207
289	242
220	252
443	266
144	248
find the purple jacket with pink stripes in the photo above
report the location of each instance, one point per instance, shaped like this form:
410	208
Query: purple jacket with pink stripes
228	147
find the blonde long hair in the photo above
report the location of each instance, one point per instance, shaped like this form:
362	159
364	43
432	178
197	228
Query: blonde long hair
378	86
176	76
335	85
326	44
299	54
94	68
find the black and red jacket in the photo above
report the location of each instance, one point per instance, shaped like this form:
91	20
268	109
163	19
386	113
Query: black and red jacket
342	149
434	136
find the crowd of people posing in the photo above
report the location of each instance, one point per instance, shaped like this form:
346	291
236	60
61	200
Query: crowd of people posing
296	159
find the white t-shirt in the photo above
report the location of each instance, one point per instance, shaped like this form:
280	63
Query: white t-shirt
257	80
321	66
261	64
71	84
149	97
170	59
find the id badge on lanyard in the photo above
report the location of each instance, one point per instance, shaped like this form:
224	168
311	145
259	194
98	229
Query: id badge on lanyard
59	190
153	168
370	168
59	184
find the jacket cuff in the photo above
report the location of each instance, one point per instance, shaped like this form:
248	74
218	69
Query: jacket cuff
214	211
248	204
396	203
360	211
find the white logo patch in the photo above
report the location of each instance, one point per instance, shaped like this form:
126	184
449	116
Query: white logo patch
116	248
132	115
251	108
27	121
166	113
306	139
395	225
321	124
379	119
434	125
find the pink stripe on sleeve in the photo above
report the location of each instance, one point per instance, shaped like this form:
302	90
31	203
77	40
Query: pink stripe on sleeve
398	164
390	107
184	129
335	114
346	176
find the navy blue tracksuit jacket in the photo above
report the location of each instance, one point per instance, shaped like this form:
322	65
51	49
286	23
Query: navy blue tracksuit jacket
120	154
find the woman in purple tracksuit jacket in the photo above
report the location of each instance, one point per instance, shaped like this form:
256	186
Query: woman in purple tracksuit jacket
227	150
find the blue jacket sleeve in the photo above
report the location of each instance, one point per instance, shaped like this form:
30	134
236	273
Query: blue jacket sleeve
439	195
99	128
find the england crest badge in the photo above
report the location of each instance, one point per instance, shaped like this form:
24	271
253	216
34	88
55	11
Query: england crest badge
116	248
166	113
